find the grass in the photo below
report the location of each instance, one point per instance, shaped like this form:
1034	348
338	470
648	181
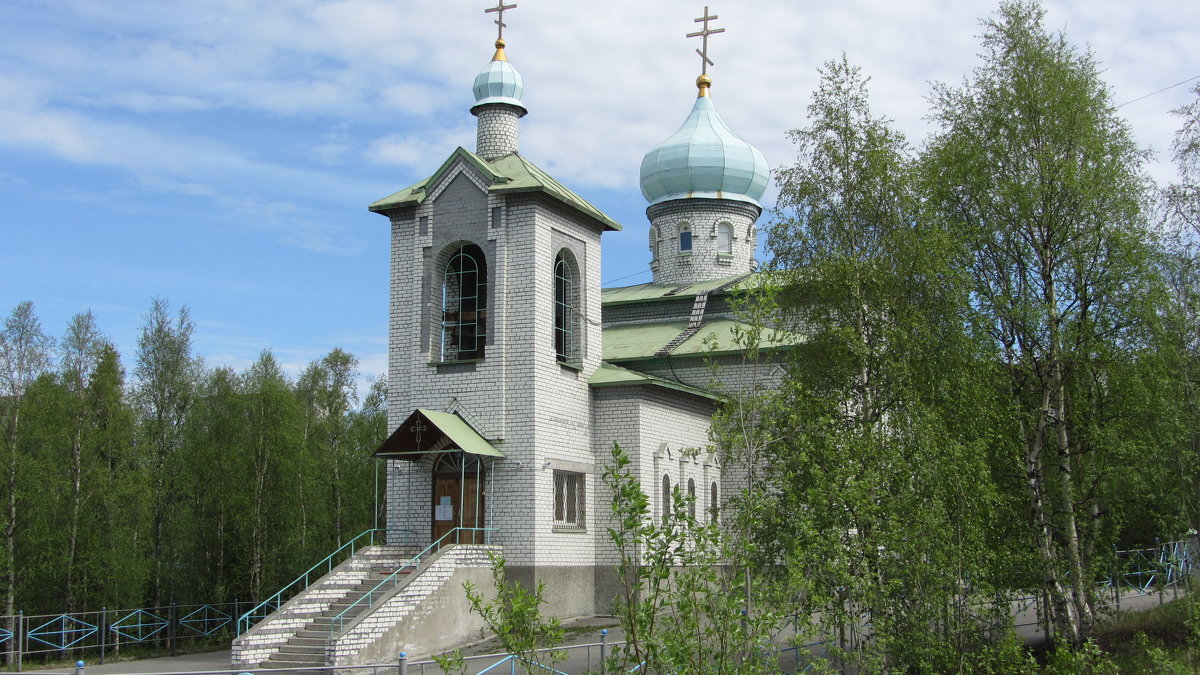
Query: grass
1161	641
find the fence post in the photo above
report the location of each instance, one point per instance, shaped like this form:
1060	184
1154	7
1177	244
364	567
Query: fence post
19	638
79	667
174	615
403	665
603	649
103	632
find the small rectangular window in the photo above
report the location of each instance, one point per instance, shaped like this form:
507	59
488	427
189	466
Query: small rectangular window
495	216
685	240
569	499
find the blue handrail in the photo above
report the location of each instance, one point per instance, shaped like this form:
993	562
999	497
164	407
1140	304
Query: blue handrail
393	580
264	608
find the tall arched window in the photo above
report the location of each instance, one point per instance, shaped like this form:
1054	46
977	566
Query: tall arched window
691	499
666	498
724	238
685	237
712	502
464	304
566	308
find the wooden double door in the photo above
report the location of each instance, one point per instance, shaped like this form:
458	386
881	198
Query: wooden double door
458	498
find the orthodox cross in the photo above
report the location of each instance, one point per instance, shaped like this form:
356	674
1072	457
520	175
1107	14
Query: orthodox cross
417	429
705	62
499	10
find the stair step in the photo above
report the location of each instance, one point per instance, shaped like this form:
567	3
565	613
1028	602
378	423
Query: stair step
307	658
292	648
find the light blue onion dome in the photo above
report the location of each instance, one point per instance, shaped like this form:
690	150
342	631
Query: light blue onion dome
704	159
499	82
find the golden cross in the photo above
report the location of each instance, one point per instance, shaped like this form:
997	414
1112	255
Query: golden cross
499	10
703	34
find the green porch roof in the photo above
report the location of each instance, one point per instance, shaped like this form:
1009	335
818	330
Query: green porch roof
609	375
446	431
643	340
511	174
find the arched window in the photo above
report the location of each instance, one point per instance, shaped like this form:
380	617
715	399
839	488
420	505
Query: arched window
691	499
566	308
464	304
712	502
666	498
685	237
724	238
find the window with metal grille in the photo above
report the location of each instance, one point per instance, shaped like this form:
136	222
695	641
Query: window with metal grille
464	305
566	309
569	498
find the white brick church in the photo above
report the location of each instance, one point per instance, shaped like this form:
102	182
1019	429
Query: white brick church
512	372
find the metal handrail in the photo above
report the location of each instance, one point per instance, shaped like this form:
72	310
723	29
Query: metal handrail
245	621
392	580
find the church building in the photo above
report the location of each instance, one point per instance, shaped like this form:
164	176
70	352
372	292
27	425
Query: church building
512	372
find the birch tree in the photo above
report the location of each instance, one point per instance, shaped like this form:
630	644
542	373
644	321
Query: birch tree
1043	180
80	351
25	353
166	375
875	499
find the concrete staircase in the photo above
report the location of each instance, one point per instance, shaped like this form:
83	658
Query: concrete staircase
422	611
307	648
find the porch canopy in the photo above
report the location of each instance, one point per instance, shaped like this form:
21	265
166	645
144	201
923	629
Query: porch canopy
428	432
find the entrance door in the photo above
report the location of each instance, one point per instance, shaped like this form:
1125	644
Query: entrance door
458	494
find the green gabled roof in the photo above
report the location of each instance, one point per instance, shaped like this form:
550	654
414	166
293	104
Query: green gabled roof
652	291
446	431
631	342
509	174
608	375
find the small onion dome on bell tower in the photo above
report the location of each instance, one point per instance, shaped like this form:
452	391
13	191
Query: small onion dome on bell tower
704	159
499	82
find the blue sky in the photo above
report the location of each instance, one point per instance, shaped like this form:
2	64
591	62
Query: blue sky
221	153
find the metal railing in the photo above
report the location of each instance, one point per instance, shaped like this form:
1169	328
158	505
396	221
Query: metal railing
108	631
454	536
302	582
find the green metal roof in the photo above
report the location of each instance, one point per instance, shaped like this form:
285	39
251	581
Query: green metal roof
631	342
509	174
652	291
609	375
446	431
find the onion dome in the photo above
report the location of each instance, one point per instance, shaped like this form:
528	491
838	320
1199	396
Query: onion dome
499	82
704	159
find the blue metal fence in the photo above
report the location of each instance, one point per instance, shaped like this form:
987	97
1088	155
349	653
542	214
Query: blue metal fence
108	631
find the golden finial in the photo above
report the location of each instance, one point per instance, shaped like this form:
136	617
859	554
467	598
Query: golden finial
499	55
704	81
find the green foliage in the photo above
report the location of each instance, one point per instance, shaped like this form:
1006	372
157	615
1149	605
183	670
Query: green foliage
1033	171
681	609
214	462
514	616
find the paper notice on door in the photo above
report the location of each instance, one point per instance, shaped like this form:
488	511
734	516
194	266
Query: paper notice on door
443	512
